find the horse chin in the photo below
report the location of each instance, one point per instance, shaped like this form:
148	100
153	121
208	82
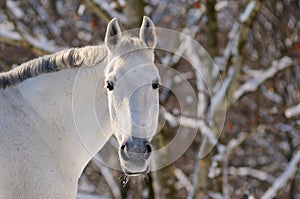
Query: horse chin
130	168
135	173
129	173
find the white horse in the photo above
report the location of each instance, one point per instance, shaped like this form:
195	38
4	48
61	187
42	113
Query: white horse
52	125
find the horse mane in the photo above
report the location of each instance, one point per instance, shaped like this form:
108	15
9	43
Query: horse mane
70	58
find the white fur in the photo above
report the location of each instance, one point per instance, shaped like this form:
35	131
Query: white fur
53	124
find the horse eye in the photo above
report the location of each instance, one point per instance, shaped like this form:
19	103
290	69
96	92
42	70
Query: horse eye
155	85
109	85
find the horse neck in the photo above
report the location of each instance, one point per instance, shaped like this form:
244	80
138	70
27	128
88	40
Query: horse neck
65	102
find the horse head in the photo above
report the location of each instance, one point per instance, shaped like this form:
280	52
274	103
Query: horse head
132	81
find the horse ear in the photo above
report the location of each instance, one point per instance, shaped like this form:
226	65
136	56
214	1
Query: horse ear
147	32
113	34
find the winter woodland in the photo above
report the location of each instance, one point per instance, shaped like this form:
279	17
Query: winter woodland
256	47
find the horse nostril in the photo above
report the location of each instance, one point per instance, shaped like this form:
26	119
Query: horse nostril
148	150
123	147
124	152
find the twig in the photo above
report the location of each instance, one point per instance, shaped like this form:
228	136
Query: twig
295	133
218	103
246	15
256	81
37	46
247	171
229	49
102	9
206	82
271	95
245	21
21	38
195	180
97	10
171	61
158	13
283	179
191	123
227	152
235	143
292	111
184	181
107	174
225	184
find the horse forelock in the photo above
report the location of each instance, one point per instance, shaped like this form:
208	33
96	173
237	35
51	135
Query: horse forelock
70	58
128	48
130	45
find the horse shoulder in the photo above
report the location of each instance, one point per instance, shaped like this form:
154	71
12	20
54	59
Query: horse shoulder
26	166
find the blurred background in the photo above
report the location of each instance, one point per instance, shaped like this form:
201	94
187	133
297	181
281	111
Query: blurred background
256	46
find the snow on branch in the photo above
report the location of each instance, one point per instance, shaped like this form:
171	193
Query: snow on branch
42	44
183	179
191	123
9	36
15	9
292	111
236	45
252	84
248	11
231	46
283	179
17	34
39	46
104	10
247	171
235	143
102	13
107	174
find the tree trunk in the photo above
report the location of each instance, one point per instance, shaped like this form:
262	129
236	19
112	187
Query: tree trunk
203	185
134	12
212	27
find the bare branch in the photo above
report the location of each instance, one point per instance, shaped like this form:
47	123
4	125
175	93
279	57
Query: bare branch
229	150
24	37
283	179
183	180
107	174
20	37
229	49
255	82
224	156
103	10
246	15
292	111
191	123
98	10
245	21
247	171
37	46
